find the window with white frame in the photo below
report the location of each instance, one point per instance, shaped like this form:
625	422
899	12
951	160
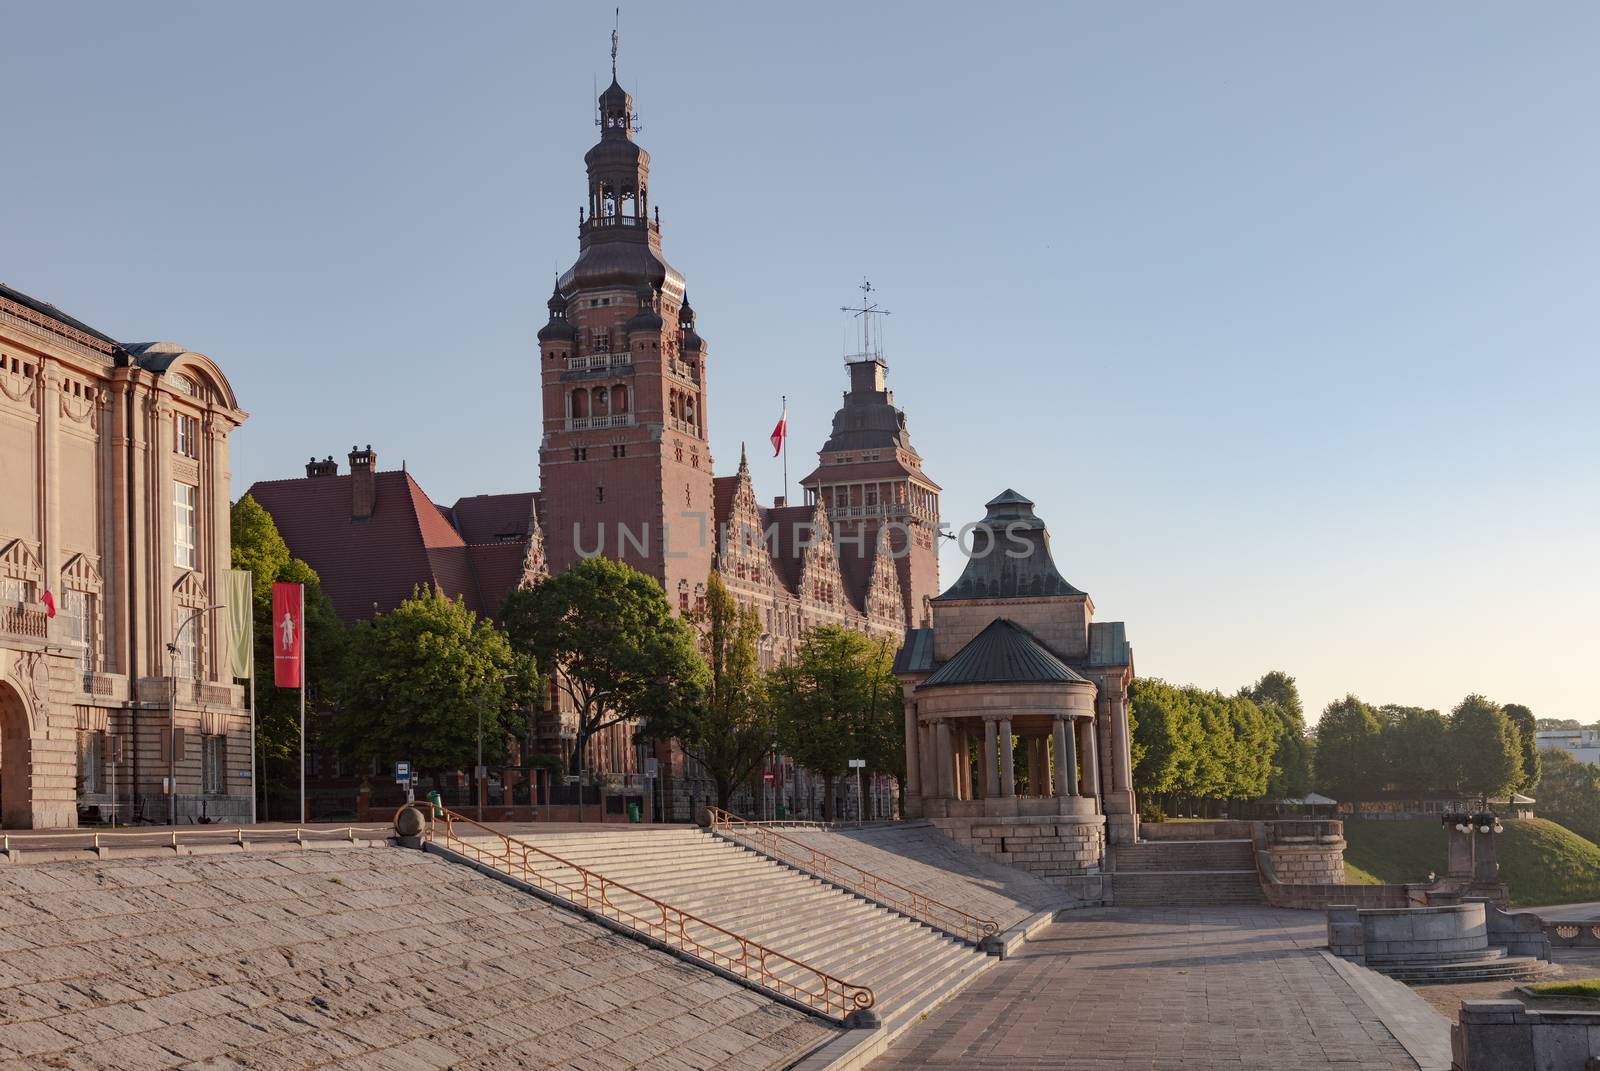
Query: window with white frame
214	766
92	749
184	527
186	436
14	591
78	621
188	654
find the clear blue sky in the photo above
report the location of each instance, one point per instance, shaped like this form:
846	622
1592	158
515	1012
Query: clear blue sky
1285	314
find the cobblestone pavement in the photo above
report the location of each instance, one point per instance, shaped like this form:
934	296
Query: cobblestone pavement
377	959
1198	989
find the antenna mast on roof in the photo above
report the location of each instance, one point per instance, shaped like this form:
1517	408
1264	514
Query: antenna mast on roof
871	340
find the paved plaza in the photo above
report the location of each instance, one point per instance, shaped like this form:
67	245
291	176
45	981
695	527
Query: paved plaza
1186	989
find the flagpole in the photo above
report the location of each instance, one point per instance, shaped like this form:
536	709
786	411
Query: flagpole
253	780
785	449
303	653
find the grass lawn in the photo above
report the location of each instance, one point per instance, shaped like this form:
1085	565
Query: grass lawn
1589	989
1541	862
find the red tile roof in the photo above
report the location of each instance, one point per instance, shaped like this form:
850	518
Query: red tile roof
375	564
493	518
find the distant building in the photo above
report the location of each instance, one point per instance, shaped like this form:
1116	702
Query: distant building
1582	744
114	501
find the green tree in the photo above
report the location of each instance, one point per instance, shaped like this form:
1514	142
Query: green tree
420	678
1528	736
1350	763
733	729
1486	753
1546	724
257	546
881	739
605	632
825	701
1417	760
1167	732
1277	694
1569	793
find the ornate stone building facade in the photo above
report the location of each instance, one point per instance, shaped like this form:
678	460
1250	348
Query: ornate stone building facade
1014	672
114	500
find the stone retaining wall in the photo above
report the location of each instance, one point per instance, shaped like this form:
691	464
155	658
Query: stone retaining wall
1322	897
1496	1035
1067	850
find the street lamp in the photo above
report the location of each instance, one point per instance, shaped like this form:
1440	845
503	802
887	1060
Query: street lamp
172	711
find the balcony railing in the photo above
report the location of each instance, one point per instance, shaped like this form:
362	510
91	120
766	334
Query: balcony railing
612	420
896	897
21	621
598	360
792	980
621	220
683	426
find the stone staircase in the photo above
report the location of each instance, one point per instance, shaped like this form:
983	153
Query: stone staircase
1481	965
909	966
1185	873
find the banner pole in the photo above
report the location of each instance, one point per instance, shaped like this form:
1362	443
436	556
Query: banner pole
303	653
253	774
785	410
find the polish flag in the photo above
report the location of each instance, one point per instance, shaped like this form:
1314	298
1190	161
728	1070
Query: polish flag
780	431
49	601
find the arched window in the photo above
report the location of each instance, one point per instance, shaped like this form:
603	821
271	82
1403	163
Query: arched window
619	399
602	401
580	402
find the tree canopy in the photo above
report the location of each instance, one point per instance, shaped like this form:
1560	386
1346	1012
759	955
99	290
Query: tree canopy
1486	753
837	701
732	729
1277	694
419	679
1197	747
1349	751
606	633
1528	737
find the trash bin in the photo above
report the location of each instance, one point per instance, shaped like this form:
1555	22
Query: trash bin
783	813
633	812
437	803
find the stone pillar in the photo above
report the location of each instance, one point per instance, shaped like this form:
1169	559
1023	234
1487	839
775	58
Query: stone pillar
913	764
1121	770
947	767
963	757
1088	744
991	783
929	753
1066	760
48	388
1007	756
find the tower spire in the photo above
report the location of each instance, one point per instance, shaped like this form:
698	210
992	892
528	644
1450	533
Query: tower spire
616	24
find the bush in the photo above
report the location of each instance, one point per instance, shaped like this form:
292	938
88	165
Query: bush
1151	812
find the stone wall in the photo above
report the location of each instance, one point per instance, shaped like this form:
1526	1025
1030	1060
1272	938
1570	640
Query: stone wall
1306	852
1066	850
1495	1035
1322	897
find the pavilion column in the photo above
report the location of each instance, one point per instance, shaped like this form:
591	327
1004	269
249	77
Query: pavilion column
947	766
991	783
1121	770
1008	761
913	760
929	754
1091	772
1066	760
963	757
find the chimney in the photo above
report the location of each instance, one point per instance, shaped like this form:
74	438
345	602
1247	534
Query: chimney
779	501
329	467
363	483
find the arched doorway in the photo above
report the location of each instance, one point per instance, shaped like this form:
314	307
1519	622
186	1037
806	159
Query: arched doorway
16	761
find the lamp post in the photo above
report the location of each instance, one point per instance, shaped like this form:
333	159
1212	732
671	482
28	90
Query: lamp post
172	711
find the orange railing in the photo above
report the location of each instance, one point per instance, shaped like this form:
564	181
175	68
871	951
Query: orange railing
773	971
920	906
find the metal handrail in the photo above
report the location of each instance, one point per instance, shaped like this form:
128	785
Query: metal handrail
771	970
917	905
91	839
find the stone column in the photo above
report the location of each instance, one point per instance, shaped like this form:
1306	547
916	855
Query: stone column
47	389
1121	771
1007	757
913	771
928	751
991	783
1091	773
947	767
1066	760
963	757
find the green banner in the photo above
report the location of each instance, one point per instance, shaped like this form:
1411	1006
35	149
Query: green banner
241	622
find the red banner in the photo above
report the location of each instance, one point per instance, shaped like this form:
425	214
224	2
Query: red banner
288	628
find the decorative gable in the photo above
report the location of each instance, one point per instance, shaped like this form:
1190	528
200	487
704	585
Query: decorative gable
19	561
820	579
535	567
81	572
190	588
883	599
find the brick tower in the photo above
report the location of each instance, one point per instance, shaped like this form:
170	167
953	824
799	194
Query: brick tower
624	465
870	476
